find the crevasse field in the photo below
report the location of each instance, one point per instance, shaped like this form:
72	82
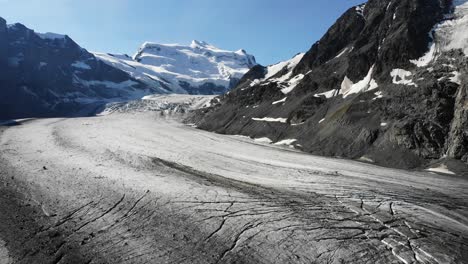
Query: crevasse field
141	187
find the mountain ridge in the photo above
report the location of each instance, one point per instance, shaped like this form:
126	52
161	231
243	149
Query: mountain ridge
198	68
48	74
357	93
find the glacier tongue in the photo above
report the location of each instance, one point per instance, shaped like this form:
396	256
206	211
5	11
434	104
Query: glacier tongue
199	68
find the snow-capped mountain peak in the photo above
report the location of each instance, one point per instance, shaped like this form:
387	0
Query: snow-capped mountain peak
197	68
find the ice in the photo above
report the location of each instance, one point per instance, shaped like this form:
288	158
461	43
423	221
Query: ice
211	194
447	35
366	84
173	65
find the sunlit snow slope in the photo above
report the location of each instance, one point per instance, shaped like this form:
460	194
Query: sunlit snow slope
199	68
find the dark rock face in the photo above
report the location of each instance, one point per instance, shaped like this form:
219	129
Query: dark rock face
352	100
206	88
50	75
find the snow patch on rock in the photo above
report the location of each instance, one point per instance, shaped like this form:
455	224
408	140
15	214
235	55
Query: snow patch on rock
448	35
272	70
279	101
50	35
328	94
364	85
270	119
403	77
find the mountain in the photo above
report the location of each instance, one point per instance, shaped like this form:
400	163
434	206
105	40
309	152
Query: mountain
50	75
199	68
386	84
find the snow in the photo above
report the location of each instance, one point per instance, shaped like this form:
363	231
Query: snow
50	35
441	169
109	84
383	124
167	104
321	120
254	82
81	65
171	66
366	159
360	9
364	85
280	101
328	94
388	6
378	95
270	119
448	35
373	85
454	32
263	140
286	142
272	70
292	84
342	52
4	254
456	77
117	91
286	82
428	56
403	77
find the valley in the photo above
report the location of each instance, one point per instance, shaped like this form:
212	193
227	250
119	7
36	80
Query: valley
141	187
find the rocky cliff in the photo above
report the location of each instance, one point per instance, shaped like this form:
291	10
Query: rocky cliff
386	84
50	75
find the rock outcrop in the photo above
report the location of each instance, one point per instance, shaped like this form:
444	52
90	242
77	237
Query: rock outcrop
386	84
50	75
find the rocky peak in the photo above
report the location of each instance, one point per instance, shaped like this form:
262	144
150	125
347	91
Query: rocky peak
197	68
386	82
393	32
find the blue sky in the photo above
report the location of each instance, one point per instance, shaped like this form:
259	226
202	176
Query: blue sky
272	30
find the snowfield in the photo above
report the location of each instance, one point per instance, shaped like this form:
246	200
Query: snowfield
171	67
142	187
